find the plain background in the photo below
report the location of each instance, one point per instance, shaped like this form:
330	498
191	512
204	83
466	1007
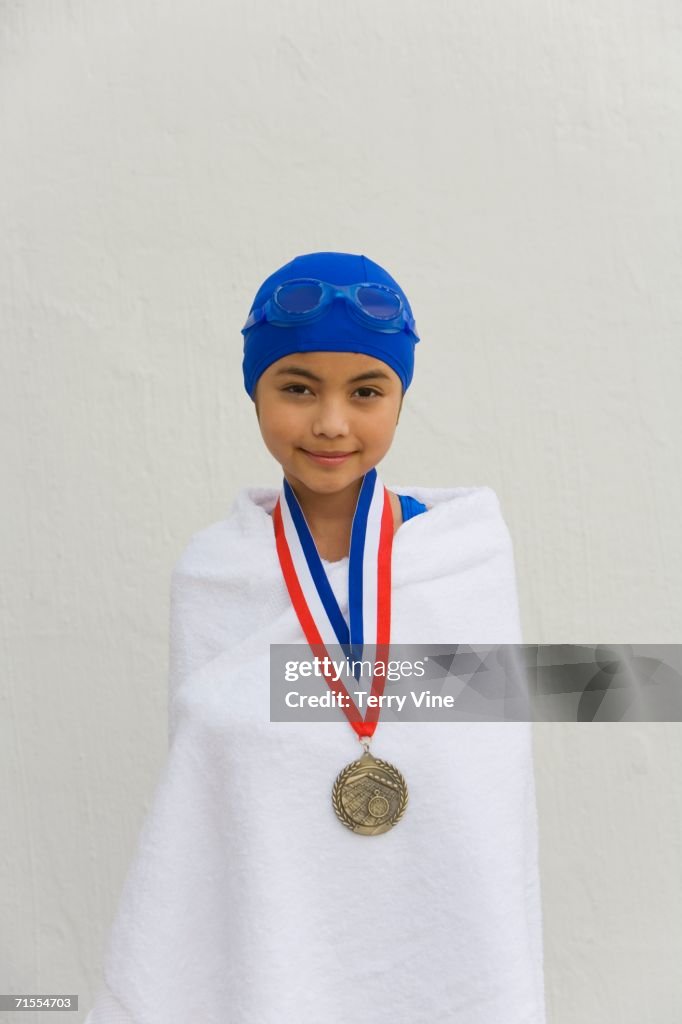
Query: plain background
516	166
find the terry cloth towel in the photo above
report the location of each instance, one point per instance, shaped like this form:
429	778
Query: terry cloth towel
247	901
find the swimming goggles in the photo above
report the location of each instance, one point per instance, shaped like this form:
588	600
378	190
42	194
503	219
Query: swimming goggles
306	299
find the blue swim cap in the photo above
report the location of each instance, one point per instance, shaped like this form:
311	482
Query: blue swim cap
336	330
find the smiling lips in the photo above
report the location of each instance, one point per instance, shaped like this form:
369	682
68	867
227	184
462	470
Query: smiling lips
328	458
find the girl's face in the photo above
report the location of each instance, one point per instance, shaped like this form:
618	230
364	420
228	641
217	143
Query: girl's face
315	402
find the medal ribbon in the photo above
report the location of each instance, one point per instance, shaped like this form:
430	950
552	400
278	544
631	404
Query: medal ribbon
369	586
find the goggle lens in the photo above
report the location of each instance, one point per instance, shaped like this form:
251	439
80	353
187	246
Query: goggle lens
299	297
378	302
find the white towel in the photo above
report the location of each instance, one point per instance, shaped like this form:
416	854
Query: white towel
247	901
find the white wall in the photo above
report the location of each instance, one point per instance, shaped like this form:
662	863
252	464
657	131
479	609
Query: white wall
516	166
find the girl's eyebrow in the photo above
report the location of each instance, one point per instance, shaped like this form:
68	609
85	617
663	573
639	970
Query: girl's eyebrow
299	371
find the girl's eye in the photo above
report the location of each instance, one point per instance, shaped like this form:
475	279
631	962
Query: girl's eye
372	391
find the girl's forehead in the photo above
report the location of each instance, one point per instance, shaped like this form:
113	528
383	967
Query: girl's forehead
331	364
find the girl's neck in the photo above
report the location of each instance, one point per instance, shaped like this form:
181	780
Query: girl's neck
329	517
327	512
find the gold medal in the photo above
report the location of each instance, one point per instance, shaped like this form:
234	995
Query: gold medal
369	795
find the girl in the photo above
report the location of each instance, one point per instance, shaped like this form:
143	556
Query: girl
277	880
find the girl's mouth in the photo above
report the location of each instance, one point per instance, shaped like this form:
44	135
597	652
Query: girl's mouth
328	459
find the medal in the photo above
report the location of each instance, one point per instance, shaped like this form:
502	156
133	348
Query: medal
369	795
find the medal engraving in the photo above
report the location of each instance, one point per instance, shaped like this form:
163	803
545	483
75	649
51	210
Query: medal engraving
369	795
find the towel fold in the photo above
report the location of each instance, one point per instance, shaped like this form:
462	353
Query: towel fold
247	901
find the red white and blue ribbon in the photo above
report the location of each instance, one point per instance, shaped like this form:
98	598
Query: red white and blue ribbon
369	585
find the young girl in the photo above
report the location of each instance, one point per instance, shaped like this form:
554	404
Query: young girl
287	873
